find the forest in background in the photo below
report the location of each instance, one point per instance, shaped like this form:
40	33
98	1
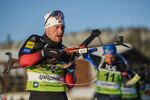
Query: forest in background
137	37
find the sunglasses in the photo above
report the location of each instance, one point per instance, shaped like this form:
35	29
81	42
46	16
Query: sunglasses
56	13
109	51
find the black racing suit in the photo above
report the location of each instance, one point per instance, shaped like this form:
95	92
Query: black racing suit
33	45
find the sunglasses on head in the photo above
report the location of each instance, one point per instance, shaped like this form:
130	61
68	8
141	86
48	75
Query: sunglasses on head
55	14
109	51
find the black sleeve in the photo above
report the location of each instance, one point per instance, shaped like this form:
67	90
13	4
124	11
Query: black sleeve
31	45
96	59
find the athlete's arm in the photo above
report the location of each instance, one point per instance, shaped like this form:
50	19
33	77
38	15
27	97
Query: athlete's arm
28	55
70	79
30	59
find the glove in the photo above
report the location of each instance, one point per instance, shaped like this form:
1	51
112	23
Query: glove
52	53
55	53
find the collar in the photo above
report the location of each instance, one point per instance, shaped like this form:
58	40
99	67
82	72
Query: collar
50	43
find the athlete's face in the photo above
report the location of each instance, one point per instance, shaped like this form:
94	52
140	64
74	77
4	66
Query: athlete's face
109	58
55	33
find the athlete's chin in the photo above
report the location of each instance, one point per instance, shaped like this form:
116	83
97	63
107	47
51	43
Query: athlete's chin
109	63
58	40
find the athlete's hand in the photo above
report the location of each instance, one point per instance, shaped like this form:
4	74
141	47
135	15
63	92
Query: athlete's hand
52	53
55	53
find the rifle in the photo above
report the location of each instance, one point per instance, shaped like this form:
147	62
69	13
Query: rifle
84	48
76	51
14	63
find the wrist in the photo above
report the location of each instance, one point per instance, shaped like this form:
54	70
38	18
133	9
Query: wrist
71	68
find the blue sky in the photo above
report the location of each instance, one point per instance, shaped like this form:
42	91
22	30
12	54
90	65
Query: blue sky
21	18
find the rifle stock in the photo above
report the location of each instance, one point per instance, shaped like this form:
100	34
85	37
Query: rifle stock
12	63
93	35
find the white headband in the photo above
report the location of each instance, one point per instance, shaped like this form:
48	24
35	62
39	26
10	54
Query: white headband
53	20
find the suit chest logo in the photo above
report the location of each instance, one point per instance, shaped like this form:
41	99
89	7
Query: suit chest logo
111	68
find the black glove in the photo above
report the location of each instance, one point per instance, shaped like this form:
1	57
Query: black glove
131	72
56	53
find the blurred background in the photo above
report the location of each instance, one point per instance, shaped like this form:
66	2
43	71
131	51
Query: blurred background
21	18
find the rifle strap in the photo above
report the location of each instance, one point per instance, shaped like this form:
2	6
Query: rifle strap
79	84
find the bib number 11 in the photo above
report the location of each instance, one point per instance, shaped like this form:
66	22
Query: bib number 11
108	76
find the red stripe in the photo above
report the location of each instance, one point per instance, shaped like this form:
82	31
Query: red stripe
29	59
70	78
